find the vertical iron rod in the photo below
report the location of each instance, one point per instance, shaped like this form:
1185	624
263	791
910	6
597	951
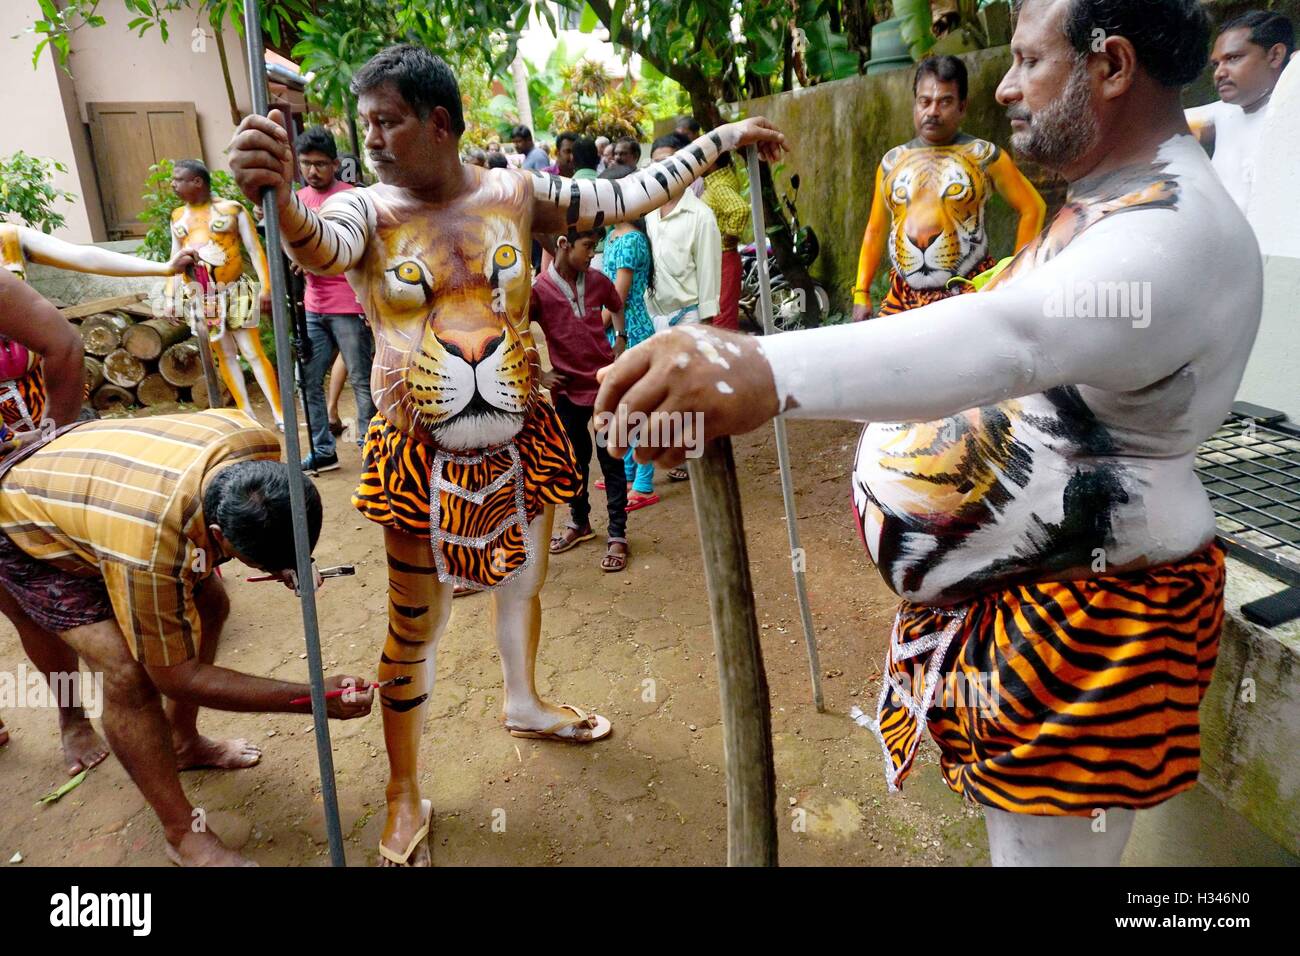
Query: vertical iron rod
782	446
297	494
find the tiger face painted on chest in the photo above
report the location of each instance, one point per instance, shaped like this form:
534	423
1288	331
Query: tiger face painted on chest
937	196
446	291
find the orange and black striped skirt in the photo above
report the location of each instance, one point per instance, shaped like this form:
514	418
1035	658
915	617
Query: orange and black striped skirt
1062	697
477	521
31	389
901	297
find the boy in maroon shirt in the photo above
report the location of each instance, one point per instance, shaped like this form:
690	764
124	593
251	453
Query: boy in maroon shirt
573	303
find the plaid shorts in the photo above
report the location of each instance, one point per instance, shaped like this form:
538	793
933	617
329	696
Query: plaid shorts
55	599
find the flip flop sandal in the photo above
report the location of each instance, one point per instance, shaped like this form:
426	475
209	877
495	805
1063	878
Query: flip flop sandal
562	542
620	560
598	725
426	813
644	501
601	484
679	474
336	427
459	592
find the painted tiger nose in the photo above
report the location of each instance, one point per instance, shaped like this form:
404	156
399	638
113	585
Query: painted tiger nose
923	237
923	228
473	346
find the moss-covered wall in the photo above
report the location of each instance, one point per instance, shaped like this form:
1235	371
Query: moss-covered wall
841	130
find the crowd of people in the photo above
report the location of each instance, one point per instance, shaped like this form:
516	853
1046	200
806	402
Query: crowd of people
1030	441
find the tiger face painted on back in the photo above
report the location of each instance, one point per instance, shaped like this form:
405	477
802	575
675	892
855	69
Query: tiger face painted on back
937	196
447	294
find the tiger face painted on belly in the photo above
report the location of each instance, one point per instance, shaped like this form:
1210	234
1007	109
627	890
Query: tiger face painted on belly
937	197
1031	488
447	294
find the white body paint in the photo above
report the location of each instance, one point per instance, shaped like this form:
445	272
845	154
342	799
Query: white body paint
1149	390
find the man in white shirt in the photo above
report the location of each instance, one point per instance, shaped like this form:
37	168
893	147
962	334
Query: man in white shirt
1248	58
687	253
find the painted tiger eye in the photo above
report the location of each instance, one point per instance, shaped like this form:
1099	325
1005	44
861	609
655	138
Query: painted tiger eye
409	272
506	257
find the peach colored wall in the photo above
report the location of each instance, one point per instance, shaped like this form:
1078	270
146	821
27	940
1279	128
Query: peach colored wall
45	114
112	64
35	120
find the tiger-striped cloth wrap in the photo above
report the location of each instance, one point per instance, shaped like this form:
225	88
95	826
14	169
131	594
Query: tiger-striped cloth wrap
902	297
1057	698
484	499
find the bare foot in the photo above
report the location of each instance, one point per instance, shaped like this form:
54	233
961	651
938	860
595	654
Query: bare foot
82	747
203	752
204	849
405	817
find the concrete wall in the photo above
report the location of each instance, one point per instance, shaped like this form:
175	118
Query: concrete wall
1273	375
45	108
112	64
841	130
35	121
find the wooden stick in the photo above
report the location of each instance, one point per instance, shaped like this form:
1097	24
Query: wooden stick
742	683
101	305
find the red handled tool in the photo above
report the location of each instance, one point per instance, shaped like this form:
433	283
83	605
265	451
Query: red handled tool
330	695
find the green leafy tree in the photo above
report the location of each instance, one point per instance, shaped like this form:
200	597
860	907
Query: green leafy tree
28	193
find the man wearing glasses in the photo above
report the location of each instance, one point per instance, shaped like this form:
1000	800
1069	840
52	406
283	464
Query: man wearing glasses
335	320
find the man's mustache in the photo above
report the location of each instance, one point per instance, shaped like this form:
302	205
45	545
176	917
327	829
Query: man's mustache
381	156
1019	112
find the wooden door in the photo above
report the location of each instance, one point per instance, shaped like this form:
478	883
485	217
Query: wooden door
128	138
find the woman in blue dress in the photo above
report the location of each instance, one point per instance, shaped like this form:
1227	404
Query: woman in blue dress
630	266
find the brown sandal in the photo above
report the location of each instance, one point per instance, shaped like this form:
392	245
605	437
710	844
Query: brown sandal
614	562
570	538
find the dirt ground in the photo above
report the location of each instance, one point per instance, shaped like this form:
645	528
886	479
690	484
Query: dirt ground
652	793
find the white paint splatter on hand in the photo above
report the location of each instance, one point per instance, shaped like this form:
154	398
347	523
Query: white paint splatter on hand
682	360
725	389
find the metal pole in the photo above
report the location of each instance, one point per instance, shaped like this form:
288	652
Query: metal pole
297	495
782	446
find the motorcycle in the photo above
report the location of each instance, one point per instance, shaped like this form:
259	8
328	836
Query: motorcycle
788	304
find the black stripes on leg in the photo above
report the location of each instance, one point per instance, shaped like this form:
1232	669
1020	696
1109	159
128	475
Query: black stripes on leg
402	706
385	659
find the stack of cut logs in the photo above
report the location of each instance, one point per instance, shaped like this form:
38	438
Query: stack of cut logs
135	359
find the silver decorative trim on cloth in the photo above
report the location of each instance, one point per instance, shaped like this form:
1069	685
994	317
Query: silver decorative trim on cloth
438	483
937	644
9	393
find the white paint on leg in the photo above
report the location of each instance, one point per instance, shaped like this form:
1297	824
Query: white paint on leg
1018	839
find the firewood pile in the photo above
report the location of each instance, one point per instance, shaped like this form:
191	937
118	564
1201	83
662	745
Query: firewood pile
136	360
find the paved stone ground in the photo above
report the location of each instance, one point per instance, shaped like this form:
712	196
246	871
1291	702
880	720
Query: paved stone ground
636	646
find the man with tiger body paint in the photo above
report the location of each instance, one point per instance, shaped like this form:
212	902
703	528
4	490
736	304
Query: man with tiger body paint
1026	481
931	197
465	460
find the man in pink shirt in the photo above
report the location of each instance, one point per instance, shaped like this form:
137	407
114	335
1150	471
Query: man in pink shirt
335	320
